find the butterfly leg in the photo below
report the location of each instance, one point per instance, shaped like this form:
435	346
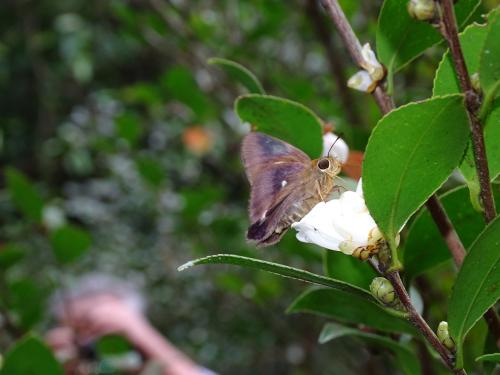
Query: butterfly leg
319	191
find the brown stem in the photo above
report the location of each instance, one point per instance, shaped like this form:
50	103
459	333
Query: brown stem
336	63
417	320
472	104
446	229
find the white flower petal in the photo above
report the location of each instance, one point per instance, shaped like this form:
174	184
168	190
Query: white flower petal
362	81
372	65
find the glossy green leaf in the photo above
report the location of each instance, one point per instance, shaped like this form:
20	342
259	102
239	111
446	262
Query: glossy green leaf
348	269
489	66
477	286
425	247
69	243
24	195
348	308
284	119
30	356
239	73
492	357
10	254
280	269
471	40
410	154
401	38
405	358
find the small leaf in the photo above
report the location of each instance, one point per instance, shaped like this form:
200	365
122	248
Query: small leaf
405	358
401	38
477	287
348	269
489	66
410	154
24	195
279	269
425	247
492	357
284	119
129	127
471	40
349	308
69	243
181	85
30	356
26	300
151	170
239	73
10	254
112	345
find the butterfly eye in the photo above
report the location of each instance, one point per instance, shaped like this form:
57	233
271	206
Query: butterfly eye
324	164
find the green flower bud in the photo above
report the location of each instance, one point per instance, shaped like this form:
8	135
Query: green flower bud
474	79
384	292
444	336
422	10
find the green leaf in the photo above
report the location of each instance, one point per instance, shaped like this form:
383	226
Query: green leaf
24	195
405	358
348	269
401	38
129	127
477	287
410	154
283	119
489	66
491	137
26	300
30	356
112	344
239	73
492	357
471	40
348	308
151	170
10	254
181	85
279	269
425	247
69	243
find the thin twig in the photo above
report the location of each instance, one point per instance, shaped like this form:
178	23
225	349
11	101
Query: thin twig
335	61
472	104
417	320
446	229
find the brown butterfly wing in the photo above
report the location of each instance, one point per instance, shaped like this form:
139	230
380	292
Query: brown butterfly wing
275	170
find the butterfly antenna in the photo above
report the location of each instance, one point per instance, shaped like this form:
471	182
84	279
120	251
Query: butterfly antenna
333	144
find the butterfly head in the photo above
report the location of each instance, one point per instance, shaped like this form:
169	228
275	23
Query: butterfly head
328	165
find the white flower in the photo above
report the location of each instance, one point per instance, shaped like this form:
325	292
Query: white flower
339	151
366	80
342	224
371	64
362	81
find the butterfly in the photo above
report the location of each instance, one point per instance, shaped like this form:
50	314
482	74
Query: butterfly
285	185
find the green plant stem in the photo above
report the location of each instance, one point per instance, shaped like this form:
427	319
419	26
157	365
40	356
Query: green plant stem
416	319
449	31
